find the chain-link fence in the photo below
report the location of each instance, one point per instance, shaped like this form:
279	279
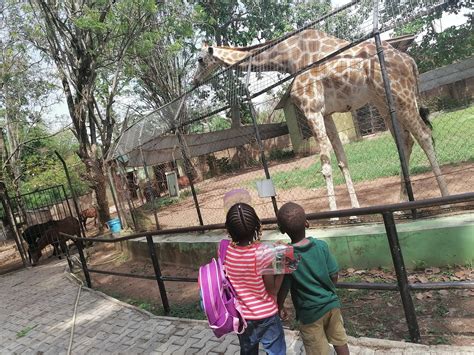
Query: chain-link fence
289	111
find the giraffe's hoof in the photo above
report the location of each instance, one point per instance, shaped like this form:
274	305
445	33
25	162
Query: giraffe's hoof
399	213
354	219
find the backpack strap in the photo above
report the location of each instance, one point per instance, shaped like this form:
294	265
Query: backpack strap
223	245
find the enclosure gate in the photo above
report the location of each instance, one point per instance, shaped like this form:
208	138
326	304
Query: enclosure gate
39	207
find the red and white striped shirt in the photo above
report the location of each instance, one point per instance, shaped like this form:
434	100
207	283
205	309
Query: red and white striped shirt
242	270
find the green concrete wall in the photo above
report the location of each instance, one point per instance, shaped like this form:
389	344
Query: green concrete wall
432	242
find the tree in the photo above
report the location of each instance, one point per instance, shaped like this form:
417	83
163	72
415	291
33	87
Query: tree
88	41
25	95
438	48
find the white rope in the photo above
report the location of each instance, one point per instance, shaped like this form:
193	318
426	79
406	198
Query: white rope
74	319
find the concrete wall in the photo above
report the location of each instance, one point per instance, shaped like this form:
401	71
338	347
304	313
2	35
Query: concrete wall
433	242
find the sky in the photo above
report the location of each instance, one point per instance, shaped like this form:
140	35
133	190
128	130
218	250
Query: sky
445	22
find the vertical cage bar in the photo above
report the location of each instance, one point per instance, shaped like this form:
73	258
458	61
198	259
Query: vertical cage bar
402	278
391	107
73	193
253	113
159	280
85	269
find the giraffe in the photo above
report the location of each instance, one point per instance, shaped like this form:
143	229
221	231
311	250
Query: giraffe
345	82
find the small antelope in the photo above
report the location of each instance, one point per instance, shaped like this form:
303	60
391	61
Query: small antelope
90	212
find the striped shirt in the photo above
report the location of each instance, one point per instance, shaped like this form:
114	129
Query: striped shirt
242	270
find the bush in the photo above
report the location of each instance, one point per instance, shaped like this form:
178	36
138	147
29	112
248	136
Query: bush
281	154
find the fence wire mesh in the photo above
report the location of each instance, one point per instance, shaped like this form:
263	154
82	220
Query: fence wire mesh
335	55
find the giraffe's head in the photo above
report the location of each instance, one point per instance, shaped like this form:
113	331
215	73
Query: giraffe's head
207	64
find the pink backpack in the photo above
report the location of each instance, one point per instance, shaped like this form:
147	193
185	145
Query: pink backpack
219	298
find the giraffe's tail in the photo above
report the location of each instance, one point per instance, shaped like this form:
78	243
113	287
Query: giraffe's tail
424	114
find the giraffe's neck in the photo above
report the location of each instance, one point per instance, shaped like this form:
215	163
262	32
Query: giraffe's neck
288	56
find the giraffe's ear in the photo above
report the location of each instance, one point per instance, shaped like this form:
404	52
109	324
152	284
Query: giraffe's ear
210	50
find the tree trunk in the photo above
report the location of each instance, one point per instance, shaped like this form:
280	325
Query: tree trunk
97	173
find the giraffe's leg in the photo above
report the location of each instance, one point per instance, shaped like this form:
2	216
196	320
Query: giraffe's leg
316	122
407	144
341	158
413	124
424	137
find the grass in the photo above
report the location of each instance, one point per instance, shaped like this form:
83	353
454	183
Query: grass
374	158
167	201
186	310
191	310
25	331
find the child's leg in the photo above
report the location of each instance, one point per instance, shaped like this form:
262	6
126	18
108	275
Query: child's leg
342	350
314	338
271	335
248	340
335	332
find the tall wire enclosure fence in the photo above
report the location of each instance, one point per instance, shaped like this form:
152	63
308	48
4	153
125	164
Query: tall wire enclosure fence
251	115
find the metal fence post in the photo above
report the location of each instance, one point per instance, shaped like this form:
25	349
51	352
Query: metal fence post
402	278
159	280
399	141
73	193
68	257
257	134
84	263
188	171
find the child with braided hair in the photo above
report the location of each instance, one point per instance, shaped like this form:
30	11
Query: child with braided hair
255	293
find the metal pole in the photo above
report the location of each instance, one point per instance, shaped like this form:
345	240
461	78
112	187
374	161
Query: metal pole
393	116
156	267
402	278
6	204
186	159
155	213
84	263
257	134
68	257
73	194
131	205
67	202
189	175
114	197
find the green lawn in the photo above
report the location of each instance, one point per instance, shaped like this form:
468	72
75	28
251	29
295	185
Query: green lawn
370	159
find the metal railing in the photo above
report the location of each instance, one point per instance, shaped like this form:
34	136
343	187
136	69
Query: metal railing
387	212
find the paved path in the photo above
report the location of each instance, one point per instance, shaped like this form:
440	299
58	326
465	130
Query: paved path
36	309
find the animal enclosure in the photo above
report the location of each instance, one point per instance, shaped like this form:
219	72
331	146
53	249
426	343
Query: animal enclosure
286	110
36	213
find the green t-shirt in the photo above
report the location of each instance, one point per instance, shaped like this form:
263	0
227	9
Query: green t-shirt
312	290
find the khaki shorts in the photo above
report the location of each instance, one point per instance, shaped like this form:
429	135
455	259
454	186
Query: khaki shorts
327	330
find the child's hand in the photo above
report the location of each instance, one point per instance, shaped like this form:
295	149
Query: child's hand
283	313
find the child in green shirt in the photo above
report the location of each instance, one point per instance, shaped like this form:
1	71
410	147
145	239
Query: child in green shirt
312	287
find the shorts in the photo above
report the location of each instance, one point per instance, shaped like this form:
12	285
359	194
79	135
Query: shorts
329	329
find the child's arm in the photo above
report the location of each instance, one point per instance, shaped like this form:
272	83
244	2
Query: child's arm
272	283
285	288
282	294
334	277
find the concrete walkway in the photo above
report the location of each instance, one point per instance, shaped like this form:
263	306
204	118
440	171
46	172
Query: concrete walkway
36	310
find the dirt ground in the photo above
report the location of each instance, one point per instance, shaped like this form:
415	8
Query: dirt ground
444	317
376	192
9	258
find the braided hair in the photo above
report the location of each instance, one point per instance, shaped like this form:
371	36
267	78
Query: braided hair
242	223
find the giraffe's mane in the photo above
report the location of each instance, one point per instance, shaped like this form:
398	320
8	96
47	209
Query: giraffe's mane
249	48
272	41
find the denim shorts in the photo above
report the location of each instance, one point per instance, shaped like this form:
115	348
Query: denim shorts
267	331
